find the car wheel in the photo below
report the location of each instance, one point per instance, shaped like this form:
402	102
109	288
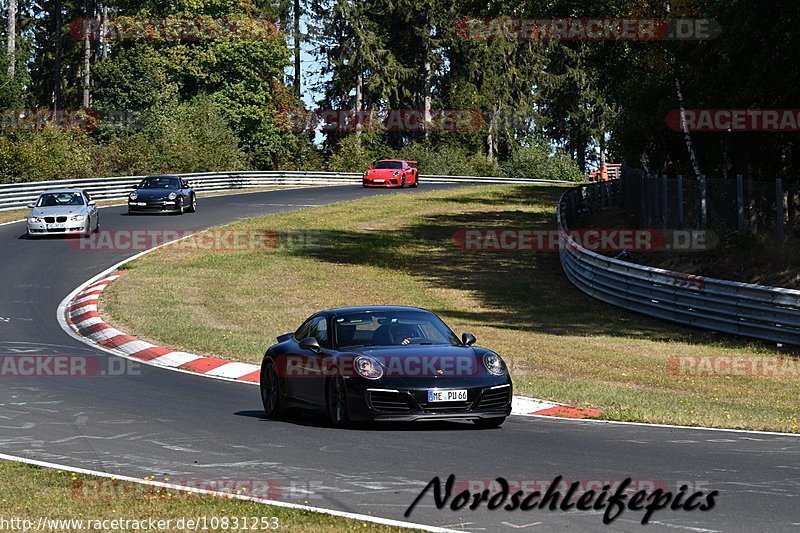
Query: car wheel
193	204
416	182
485	423
179	211
337	402
403	182
270	391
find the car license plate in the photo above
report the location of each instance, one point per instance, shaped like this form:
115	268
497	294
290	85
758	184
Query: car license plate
447	395
56	226
379	181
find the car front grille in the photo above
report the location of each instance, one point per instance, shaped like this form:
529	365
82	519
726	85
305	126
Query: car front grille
389	401
51	220
495	398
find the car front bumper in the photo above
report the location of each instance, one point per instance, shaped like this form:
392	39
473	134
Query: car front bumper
66	228
397	404
154	206
389	182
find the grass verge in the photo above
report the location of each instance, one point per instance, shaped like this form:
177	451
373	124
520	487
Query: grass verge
30	492
398	249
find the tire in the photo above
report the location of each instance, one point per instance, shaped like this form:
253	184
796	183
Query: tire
192	205
270	391
180	207
403	183
486	423
336	403
416	181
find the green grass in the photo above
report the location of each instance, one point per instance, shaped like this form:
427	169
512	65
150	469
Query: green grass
29	492
398	249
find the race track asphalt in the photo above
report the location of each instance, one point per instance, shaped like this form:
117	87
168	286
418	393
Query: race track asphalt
156	422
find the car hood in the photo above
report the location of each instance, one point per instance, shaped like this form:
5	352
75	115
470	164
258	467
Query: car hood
147	194
59	211
383	172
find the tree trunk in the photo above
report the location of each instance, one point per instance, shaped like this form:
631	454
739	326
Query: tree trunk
58	58
102	38
359	105
686	135
428	76
297	69
87	62
11	30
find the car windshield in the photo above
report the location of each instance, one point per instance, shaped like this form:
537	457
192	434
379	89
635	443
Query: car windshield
160	182
388	164
59	199
392	328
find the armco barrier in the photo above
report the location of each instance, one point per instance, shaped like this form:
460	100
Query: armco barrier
16	195
757	311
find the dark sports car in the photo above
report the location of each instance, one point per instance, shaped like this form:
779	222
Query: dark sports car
385	363
159	194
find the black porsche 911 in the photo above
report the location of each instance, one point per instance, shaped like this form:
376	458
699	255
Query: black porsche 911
159	194
385	363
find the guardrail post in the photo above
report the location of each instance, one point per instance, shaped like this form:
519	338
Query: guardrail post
779	209
679	200
740	201
701	182
664	202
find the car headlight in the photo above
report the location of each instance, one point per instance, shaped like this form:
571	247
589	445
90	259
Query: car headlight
35	220
368	367
494	364
366	172
172	196
134	195
77	218
396	173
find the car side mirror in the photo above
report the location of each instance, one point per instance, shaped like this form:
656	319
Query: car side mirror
31	206
310	343
92	203
468	339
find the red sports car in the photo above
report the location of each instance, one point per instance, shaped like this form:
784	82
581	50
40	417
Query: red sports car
391	173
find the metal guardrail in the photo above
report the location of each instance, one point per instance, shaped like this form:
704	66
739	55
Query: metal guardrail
757	311
17	195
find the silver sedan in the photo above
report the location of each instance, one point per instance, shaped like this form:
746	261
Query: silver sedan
63	212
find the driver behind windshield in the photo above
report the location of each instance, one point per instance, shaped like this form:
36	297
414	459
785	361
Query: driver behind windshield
402	334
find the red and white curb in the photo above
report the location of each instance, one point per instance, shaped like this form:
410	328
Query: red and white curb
83	317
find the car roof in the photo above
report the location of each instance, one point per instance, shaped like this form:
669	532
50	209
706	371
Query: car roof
370	308
63	191
397	160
